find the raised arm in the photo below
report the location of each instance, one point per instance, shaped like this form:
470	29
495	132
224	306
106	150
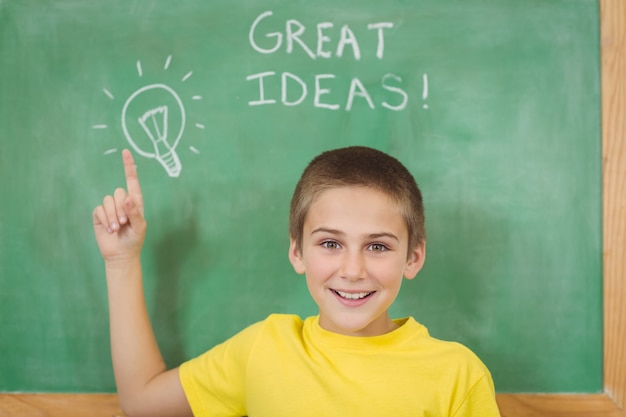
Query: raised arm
145	386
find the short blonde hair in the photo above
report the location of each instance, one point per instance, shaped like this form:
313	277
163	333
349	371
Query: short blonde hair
358	166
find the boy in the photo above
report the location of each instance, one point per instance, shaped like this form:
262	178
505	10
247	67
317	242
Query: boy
356	231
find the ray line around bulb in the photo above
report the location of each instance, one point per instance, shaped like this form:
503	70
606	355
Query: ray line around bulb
186	77
167	62
108	93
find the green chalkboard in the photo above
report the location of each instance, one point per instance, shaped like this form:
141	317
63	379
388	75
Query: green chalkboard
494	105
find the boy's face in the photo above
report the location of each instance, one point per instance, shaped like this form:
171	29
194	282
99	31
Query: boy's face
354	255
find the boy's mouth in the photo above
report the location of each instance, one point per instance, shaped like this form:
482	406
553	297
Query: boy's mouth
353	295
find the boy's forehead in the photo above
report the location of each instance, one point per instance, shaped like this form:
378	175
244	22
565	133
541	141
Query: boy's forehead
354	194
359	207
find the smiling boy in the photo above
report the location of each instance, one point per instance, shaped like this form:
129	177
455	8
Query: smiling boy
356	231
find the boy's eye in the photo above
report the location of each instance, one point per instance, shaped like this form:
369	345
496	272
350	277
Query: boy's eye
330	244
378	247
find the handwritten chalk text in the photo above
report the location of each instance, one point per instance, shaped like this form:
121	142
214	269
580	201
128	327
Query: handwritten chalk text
296	89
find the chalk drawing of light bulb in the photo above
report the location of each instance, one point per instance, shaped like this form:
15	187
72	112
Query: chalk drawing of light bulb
153	121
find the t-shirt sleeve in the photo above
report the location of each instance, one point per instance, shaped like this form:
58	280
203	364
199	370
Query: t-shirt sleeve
480	401
215	382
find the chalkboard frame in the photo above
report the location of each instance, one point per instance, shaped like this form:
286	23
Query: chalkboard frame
613	63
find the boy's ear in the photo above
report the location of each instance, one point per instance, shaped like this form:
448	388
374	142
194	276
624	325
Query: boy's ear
415	261
295	257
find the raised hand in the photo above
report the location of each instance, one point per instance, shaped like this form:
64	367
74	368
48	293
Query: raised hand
118	223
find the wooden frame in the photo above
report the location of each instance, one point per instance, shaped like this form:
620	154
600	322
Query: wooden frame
612	402
613	41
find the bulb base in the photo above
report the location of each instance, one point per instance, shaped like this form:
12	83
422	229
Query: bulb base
171	163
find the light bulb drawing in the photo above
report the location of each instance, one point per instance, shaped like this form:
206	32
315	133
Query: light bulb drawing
153	121
148	128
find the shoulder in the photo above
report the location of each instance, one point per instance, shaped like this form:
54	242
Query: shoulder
283	320
241	345
280	326
444	351
462	353
273	326
468	379
273	322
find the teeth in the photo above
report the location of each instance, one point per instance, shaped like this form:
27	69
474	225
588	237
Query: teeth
352	295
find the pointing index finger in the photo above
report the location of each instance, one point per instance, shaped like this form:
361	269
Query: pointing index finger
132	180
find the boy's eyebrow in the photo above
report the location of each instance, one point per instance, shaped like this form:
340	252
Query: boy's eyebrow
340	233
384	234
327	230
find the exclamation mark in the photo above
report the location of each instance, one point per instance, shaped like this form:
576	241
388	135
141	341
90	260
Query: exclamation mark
425	90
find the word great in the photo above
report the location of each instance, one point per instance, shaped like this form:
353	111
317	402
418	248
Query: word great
294	29
295	89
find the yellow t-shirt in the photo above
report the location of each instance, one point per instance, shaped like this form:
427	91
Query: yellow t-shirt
288	367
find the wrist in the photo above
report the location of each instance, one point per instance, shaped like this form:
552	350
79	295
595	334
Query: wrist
123	265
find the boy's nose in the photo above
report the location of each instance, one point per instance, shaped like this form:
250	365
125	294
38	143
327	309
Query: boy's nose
352	266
